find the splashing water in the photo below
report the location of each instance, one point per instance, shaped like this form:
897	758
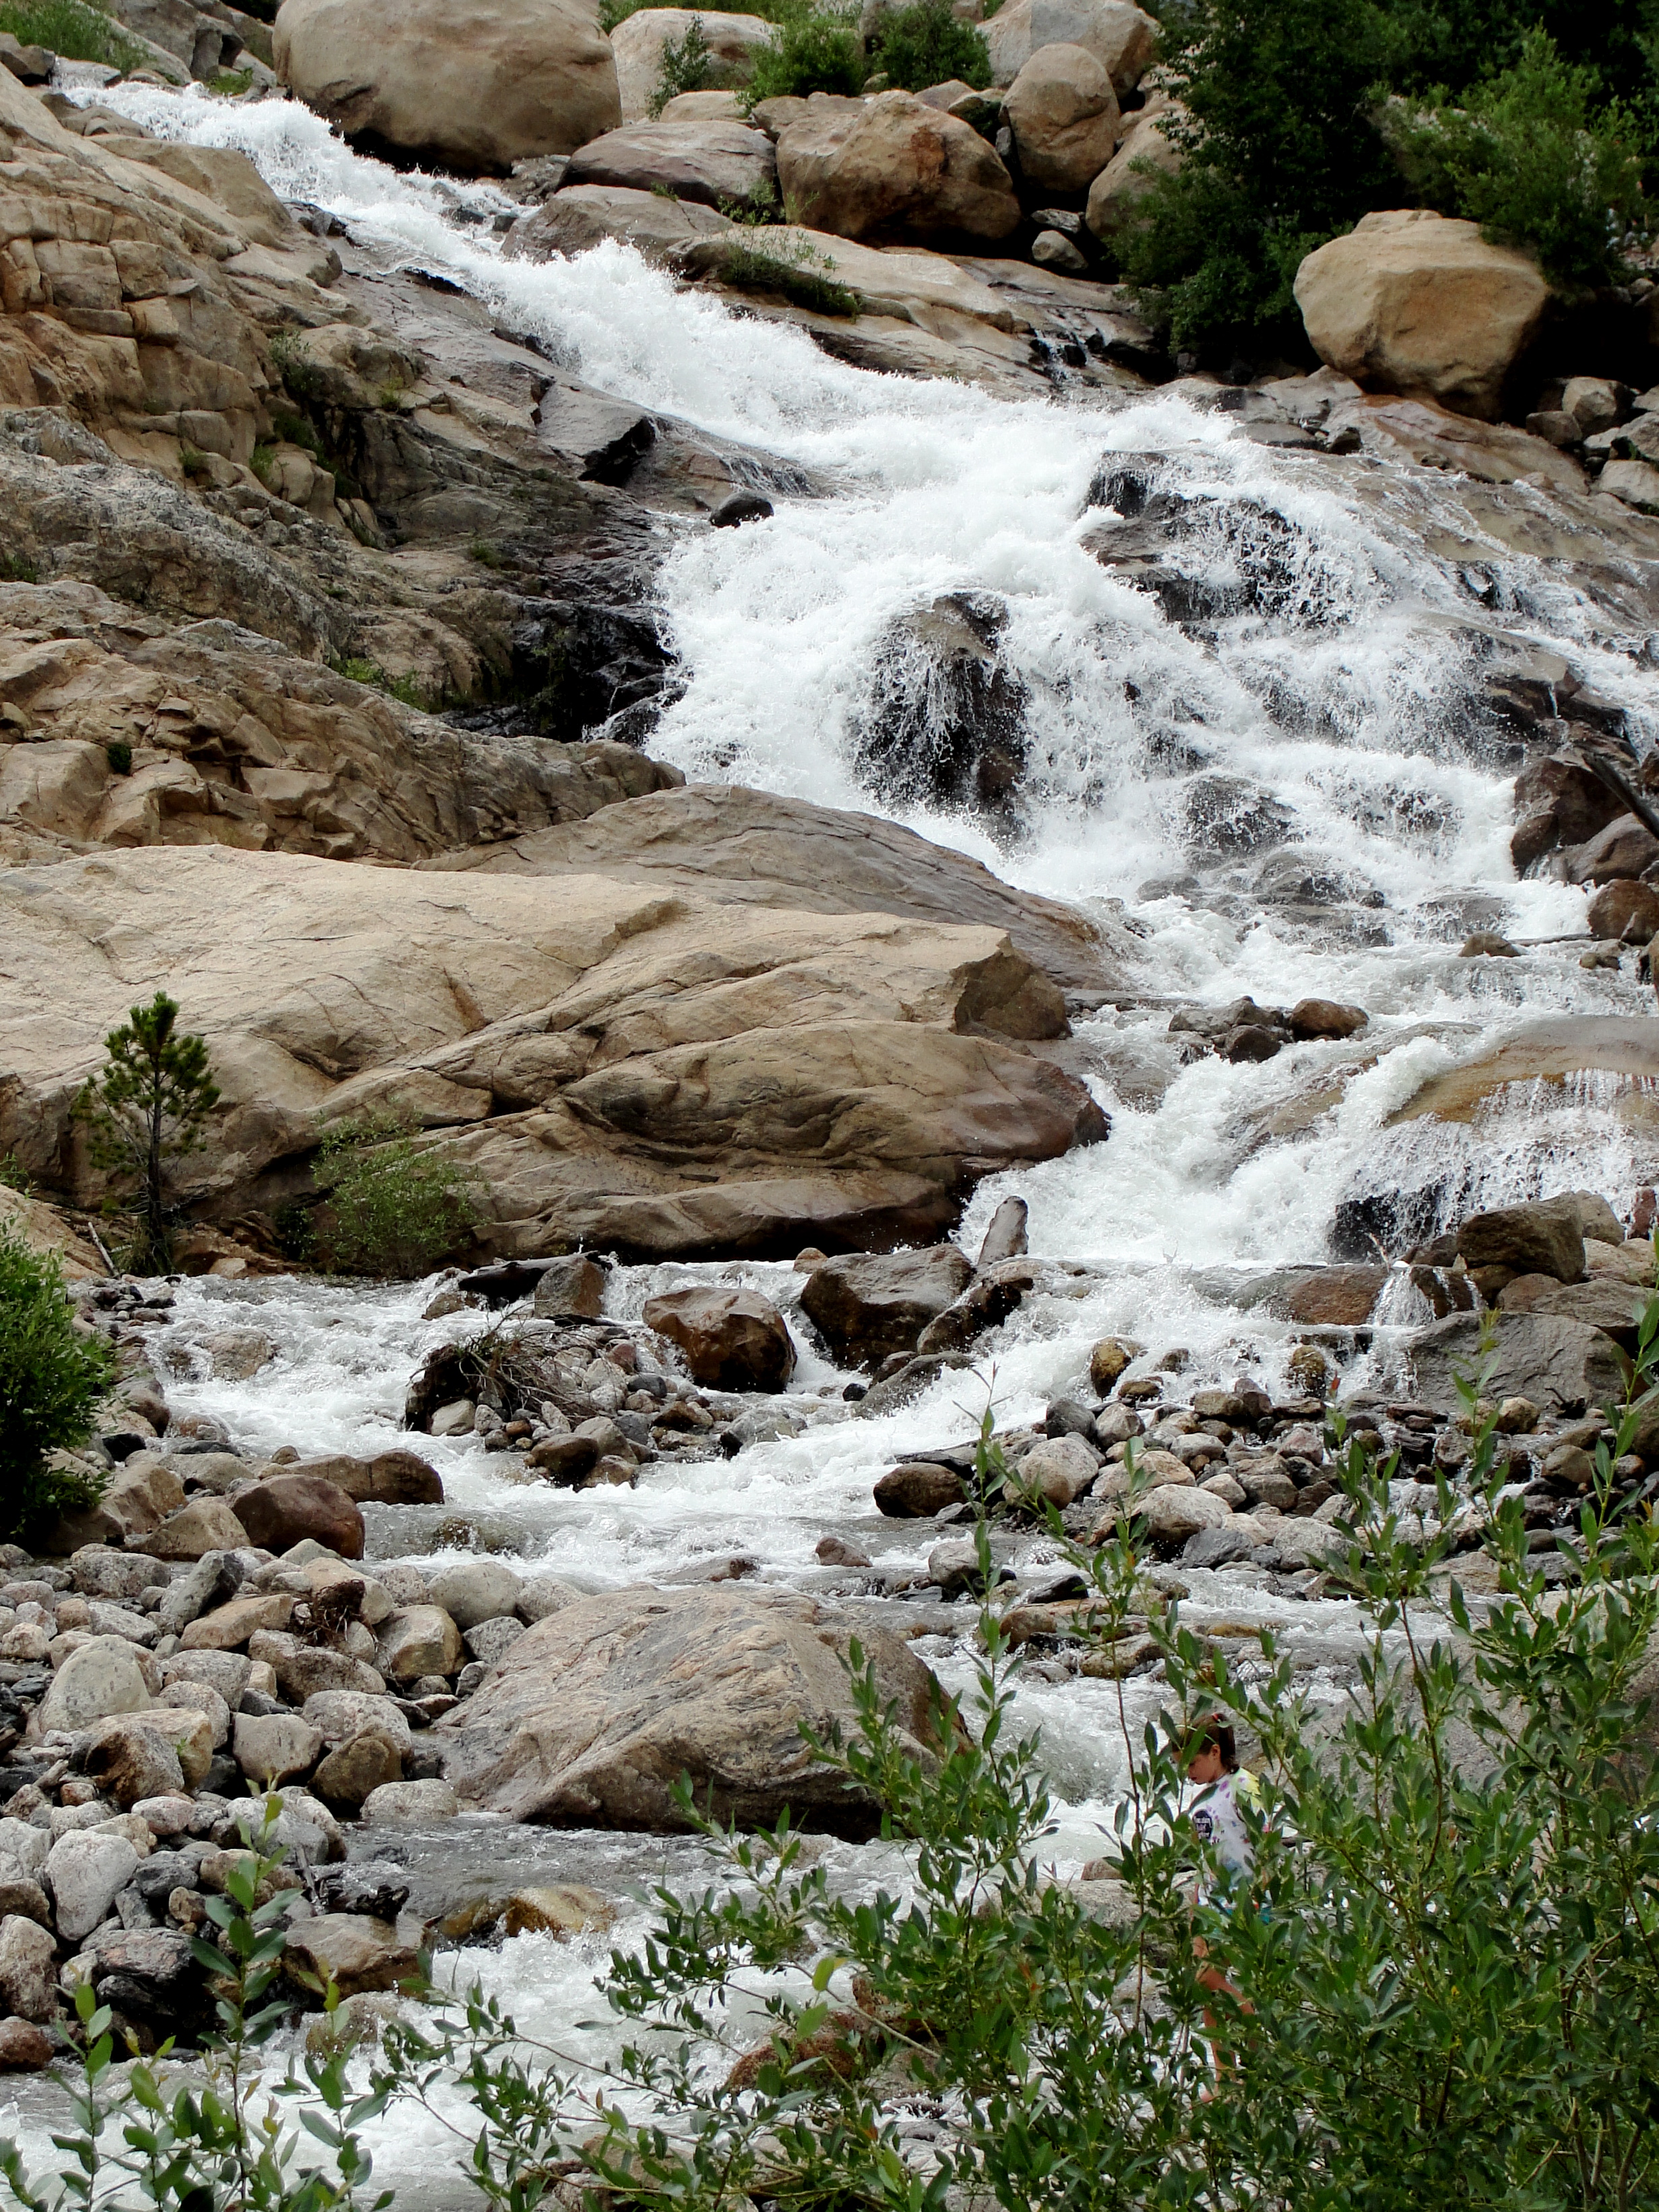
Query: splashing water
1342	692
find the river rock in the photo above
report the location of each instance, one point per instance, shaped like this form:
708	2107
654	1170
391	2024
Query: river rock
205	1524
275	1748
1059	1469
128	1760
1120	37
306	1830
581	215
472	1590
225	1673
351	1951
1420	303
531	76
892	166
285	1509
711	161
198	1697
28	1970
564	1460
1626	909
420	1639
729	1339
100	1678
917	1489
568	1289
868	1307
1004	1236
638	41
996	1291
342	1716
1545	1237
1174	1511
410	1804
228	1627
1117	192
1560	1364
25	2048
1064	117
354	1770
594	1714
83	1872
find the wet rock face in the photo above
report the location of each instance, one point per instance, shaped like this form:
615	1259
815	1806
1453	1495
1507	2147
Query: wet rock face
867	1309
945	722
729	1339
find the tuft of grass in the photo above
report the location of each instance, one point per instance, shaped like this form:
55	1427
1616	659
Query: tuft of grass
486	554
71	29
805	276
192	459
119	754
230	84
17	568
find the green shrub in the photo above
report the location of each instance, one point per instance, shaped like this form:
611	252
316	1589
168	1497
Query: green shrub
927	44
50	1382
685	64
814	53
1279	158
73	29
392	1208
1528	156
798	272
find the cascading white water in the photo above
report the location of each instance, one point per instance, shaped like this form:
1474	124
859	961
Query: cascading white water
936	488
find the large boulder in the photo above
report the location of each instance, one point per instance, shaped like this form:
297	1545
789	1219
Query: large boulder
729	1339
1560	1364
711	162
1416	303
1121	38
1543	1237
639	41
1063	113
285	1509
592	1716
519	77
615	1067
892	167
1145	145
100	1678
870	1307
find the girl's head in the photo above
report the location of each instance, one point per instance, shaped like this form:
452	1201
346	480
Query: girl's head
1208	1749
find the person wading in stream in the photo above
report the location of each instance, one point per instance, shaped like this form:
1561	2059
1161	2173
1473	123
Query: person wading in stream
1213	1768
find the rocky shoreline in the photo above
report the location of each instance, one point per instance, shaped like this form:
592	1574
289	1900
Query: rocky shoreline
218	1623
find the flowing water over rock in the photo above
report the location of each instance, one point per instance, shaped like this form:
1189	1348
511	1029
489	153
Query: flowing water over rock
1280	745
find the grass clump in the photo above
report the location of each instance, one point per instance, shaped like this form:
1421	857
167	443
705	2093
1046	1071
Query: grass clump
71	29
803	275
685	66
52	1379
928	44
391	1208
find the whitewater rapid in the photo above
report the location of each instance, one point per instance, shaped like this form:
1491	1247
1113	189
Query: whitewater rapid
923	488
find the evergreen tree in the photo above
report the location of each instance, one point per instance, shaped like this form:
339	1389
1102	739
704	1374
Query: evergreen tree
146	1106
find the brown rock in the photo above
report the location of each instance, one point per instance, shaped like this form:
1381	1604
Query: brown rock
714	162
420	1639
1413	302
129	1761
206	1524
892	166
917	1489
28	1969
350	1951
24	2048
347	1776
730	1339
1325	1018
592	1715
1545	1237
283	1509
571	1287
532	76
1400	428
563	1459
1625	847
1064	117
581	216
1342	1297
1117	192
229	1627
1108	1361
866	1307
1624	909
560	1908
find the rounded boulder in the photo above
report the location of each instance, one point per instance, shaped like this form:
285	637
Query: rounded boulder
518	78
285	1509
729	1339
1063	113
892	167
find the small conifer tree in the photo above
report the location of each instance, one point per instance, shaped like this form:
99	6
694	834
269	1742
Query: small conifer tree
148	1105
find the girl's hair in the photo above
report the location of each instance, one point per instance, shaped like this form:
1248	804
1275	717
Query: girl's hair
1213	1733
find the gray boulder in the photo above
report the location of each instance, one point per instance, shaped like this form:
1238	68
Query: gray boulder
1560	1364
594	1713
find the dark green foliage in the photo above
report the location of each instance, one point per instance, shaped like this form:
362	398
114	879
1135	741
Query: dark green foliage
119	754
1304	118
392	1208
685	64
927	44
50	1381
1280	157
1527	157
814	53
146	1106
798	274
